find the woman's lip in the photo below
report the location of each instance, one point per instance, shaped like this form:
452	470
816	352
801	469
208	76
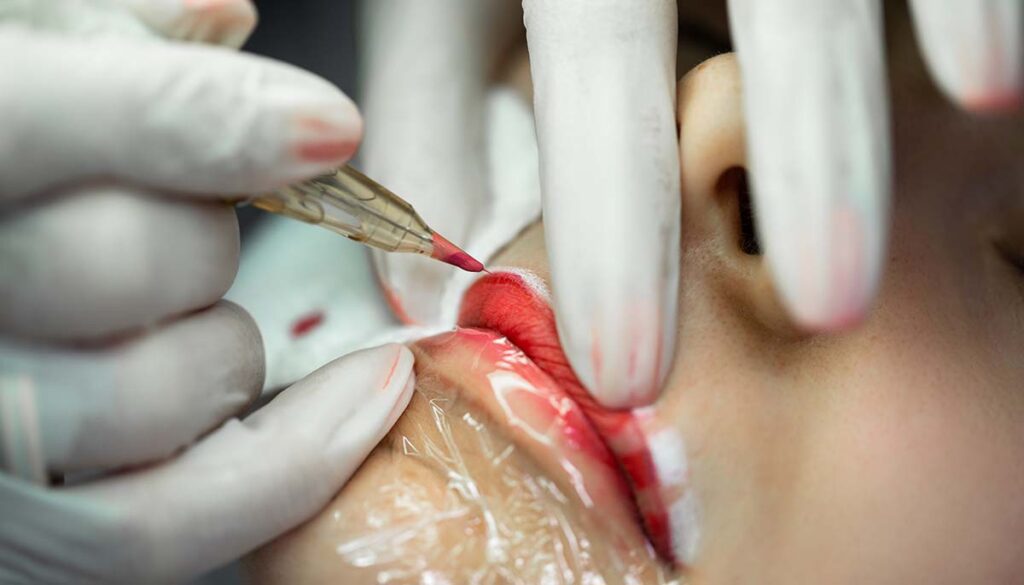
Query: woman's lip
515	304
536	414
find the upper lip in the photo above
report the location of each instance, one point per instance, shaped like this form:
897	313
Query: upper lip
504	302
509	303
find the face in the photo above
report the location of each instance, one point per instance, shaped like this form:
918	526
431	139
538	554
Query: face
891	453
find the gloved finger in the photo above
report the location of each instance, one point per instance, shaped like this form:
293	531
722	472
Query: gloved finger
223	22
427	67
141	400
604	95
174	116
975	50
218	22
86	18
818	141
244	484
104	260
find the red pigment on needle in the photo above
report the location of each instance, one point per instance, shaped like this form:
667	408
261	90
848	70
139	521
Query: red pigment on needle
449	253
307	323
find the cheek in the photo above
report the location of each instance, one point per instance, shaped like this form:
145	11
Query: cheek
883	458
908	479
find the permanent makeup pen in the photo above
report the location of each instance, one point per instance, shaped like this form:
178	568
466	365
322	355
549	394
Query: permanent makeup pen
350	203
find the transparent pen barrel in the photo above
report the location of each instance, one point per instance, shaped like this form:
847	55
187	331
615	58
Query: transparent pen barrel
354	206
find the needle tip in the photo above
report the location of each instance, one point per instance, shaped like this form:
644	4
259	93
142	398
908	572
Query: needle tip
449	253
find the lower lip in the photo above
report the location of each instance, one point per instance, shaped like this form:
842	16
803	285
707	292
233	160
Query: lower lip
507	302
533	410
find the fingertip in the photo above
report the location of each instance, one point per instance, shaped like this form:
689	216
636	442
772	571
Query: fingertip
214	122
975	51
819	153
813	318
243	19
254	357
220	22
613	388
402	399
624	359
328	137
323	133
997	102
380	400
615	292
987	98
828	278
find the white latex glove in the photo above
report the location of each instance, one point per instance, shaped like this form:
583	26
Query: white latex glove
243	484
818	130
818	135
604	99
427	67
114	249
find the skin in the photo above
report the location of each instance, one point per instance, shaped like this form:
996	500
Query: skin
890	453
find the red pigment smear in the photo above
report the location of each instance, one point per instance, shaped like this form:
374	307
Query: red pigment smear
449	253
995	103
328	142
396	305
391	372
326	150
306	323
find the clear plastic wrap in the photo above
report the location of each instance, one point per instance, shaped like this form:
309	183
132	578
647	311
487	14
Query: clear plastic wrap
455	495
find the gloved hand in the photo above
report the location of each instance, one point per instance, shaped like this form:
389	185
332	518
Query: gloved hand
412	145
604	84
818	129
115	354
818	135
427	69
241	485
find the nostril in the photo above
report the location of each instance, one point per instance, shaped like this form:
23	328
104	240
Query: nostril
748	230
733	184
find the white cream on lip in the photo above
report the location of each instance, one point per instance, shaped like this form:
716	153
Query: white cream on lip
668	452
529	278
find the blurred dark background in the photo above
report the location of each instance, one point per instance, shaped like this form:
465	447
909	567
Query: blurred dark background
318	35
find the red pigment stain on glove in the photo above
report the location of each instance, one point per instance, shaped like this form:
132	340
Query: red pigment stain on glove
396	305
307	323
996	103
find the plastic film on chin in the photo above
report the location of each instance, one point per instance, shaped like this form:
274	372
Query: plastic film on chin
448	498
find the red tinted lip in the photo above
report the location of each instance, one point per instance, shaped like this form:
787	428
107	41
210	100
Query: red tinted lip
507	303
